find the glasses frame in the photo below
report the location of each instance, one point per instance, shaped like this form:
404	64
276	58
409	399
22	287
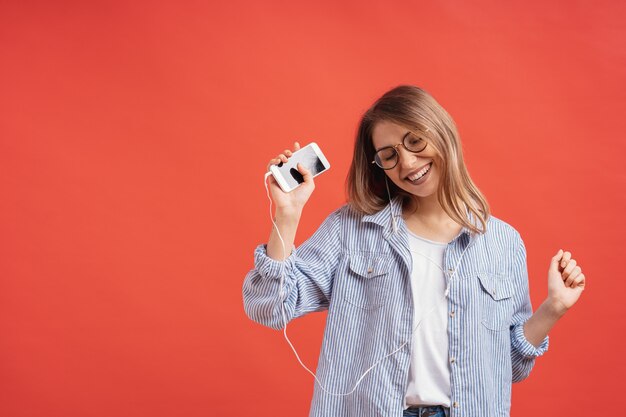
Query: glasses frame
395	149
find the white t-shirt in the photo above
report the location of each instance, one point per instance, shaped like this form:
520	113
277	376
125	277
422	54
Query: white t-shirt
429	372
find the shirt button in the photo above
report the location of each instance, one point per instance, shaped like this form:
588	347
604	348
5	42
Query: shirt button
450	270
455	404
452	313
452	360
493	291
370	270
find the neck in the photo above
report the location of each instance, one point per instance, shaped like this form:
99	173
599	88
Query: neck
427	209
425	217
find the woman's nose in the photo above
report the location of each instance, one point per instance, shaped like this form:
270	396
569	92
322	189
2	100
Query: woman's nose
405	158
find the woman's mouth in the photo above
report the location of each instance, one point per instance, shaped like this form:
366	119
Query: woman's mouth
417	177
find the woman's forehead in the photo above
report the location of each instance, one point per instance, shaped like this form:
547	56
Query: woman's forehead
388	133
385	131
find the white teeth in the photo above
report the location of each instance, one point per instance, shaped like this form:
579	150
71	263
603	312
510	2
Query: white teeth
419	174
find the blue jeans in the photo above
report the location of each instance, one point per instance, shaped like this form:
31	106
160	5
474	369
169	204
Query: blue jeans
431	411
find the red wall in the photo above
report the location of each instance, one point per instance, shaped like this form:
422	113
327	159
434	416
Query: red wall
134	138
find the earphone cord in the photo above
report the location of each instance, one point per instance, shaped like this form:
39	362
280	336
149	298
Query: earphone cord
282	297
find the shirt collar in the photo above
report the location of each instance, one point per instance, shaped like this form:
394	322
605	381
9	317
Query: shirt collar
394	208
383	217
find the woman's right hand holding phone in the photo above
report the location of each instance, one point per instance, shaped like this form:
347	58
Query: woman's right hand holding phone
293	202
289	207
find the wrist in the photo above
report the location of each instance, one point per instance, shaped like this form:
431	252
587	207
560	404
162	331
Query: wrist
555	306
287	214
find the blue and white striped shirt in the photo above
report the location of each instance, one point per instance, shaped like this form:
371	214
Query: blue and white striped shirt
358	267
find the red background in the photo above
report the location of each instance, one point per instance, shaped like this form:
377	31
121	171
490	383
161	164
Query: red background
134	138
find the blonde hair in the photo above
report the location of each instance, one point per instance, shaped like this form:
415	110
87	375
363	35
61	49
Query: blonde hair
416	110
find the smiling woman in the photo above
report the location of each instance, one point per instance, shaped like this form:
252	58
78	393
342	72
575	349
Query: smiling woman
410	116
427	294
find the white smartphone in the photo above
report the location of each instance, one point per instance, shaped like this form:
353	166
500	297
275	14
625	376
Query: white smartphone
286	173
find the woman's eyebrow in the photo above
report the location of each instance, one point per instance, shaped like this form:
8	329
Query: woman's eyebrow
391	146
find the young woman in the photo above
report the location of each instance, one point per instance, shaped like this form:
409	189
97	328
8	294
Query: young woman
429	312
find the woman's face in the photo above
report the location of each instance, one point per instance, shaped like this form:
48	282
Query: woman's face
415	173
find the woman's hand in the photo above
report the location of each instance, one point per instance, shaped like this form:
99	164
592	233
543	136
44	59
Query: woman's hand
565	281
565	284
288	208
292	202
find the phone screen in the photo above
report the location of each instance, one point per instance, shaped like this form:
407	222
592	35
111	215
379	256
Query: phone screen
307	157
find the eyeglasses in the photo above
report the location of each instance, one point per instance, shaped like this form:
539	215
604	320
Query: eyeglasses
388	157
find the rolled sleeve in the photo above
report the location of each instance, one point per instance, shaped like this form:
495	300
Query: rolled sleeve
275	292
523	346
269	268
523	353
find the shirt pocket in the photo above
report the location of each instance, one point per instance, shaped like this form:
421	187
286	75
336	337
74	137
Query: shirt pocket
496	301
368	281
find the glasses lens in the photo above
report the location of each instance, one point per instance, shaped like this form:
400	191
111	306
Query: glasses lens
386	158
414	143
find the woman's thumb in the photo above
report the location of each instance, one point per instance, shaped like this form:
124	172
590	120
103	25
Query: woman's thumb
306	174
554	263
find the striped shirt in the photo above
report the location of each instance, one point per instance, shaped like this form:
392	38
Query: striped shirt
358	267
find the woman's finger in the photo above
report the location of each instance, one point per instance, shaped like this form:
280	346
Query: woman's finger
565	259
274	161
572	276
568	269
283	157
579	281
